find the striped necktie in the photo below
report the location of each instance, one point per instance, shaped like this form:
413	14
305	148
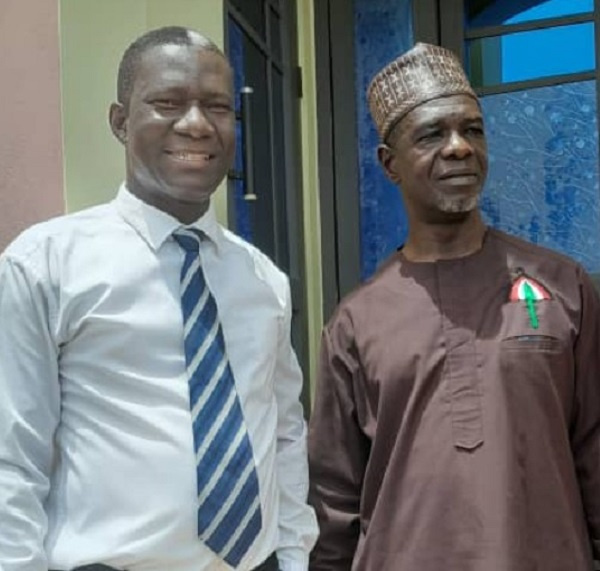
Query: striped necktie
229	514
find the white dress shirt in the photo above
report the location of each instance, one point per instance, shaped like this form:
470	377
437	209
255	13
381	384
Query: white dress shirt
96	449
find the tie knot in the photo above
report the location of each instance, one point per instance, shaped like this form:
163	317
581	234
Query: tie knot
189	239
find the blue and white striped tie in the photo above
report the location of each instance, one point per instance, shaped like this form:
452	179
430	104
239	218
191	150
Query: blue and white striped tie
229	514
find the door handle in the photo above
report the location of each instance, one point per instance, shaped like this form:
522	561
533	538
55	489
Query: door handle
247	146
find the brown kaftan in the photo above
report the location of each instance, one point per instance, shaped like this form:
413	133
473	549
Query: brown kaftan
451	433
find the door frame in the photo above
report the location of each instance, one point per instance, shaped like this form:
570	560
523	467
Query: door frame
338	150
294	215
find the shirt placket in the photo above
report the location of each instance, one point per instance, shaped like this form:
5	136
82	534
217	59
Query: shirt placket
461	370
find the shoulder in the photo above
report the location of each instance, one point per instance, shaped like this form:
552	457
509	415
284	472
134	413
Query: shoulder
35	245
370	298
518	247
533	257
563	276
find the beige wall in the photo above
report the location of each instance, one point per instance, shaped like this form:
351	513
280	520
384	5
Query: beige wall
31	177
94	34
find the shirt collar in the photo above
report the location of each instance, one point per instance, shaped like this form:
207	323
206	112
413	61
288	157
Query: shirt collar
155	226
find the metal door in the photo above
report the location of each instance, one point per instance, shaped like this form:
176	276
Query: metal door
265	184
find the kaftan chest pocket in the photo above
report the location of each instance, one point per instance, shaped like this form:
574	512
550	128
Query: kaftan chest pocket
536	363
548	332
532	343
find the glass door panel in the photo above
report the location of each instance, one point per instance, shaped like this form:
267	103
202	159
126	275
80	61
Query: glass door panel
543	183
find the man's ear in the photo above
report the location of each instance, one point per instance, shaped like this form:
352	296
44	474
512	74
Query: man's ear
117	117
386	159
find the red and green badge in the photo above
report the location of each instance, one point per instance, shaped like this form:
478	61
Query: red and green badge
530	291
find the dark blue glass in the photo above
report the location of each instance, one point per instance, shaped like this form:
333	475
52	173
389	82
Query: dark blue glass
498	12
543	182
382	31
243	225
530	55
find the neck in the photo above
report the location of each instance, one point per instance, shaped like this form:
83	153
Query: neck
190	213
431	242
185	212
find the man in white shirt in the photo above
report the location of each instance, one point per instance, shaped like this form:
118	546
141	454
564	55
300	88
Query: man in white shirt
98	458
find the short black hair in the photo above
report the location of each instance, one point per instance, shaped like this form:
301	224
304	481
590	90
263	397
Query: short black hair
168	35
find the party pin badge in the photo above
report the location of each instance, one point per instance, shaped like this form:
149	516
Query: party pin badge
529	291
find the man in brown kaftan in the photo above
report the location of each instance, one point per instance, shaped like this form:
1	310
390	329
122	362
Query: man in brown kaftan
457	419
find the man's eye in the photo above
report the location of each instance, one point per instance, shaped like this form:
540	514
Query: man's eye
219	107
476	131
166	104
429	136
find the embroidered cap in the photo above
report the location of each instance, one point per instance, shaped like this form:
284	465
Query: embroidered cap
421	74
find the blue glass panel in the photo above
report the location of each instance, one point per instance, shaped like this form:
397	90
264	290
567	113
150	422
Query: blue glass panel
496	13
383	30
529	55
543	183
243	225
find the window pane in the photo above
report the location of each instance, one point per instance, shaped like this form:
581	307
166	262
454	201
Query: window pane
543	183
253	12
498	12
530	55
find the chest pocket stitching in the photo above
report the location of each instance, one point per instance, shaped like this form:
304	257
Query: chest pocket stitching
533	343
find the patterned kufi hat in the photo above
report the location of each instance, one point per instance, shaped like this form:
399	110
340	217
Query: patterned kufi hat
421	74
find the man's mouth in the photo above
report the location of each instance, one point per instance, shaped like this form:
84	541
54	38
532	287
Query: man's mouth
459	178
458	174
191	156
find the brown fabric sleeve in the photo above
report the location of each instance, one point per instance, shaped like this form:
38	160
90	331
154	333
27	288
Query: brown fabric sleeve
585	431
338	452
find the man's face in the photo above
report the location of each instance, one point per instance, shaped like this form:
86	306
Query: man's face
178	128
438	154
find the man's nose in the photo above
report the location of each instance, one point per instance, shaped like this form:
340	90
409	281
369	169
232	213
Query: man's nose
457	146
194	122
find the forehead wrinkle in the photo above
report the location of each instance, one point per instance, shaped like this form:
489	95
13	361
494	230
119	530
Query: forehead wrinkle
444	109
423	117
175	53
169	67
446	118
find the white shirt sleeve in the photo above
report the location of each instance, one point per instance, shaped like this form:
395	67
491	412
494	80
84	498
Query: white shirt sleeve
29	415
297	523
